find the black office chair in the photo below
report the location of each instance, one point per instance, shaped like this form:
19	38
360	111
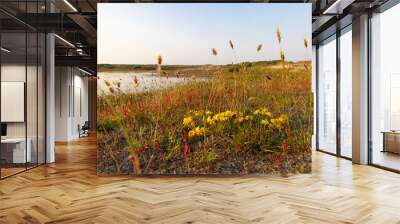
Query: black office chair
84	130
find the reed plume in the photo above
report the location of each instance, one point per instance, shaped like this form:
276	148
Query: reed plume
159	59
259	47
159	62
231	44
214	51
108	84
278	35
306	53
233	50
282	54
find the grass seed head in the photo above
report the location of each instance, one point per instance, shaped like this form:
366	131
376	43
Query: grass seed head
231	44
305	43
278	35
159	59
282	54
259	47
214	51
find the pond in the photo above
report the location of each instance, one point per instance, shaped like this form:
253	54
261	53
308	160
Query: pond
131	82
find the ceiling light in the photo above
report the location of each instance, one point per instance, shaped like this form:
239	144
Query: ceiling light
338	6
64	40
70	5
5	50
86	72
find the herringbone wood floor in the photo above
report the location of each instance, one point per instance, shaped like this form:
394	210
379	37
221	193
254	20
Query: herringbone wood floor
69	191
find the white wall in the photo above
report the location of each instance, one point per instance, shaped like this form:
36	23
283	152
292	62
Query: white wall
71	94
80	104
62	82
12	73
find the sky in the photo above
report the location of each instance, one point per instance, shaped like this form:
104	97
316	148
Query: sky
185	33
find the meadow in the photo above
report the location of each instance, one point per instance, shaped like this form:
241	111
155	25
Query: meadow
247	118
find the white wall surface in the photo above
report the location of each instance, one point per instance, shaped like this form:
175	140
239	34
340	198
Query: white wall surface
12	101
71	102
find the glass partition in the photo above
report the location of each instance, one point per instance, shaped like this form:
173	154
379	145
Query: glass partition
14	155
385	89
327	95
346	93
22	78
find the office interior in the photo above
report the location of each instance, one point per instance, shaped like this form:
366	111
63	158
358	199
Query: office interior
45	98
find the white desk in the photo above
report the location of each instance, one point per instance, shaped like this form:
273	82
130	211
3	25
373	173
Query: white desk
18	144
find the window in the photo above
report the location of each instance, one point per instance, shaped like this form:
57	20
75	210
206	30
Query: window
22	98
327	96
346	92
385	89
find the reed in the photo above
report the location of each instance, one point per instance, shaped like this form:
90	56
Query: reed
259	47
159	62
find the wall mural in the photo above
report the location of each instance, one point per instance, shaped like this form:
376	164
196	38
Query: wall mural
204	89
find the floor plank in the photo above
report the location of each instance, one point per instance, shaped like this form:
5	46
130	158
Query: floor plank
69	191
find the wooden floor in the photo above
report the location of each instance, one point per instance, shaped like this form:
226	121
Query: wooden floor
70	192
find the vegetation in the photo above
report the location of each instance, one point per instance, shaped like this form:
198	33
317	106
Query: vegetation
244	115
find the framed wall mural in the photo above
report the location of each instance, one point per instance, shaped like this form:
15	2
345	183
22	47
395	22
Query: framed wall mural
188	89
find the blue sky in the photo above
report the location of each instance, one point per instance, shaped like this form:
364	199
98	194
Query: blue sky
185	33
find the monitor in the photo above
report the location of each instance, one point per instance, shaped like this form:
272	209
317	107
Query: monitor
3	129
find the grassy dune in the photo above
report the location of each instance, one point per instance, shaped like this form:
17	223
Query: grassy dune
245	115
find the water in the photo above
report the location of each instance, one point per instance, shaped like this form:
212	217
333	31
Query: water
132	82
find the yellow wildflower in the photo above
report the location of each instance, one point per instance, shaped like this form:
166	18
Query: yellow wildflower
262	111
264	122
220	117
229	113
265	111
191	134
248	118
276	123
208	112
188	121
283	118
197	131
240	119
210	121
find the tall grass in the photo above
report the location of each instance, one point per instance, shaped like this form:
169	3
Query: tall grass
244	112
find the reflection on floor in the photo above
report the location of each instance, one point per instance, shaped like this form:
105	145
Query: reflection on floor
386	159
10	171
69	191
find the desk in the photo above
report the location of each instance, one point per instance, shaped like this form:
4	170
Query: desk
391	141
13	150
